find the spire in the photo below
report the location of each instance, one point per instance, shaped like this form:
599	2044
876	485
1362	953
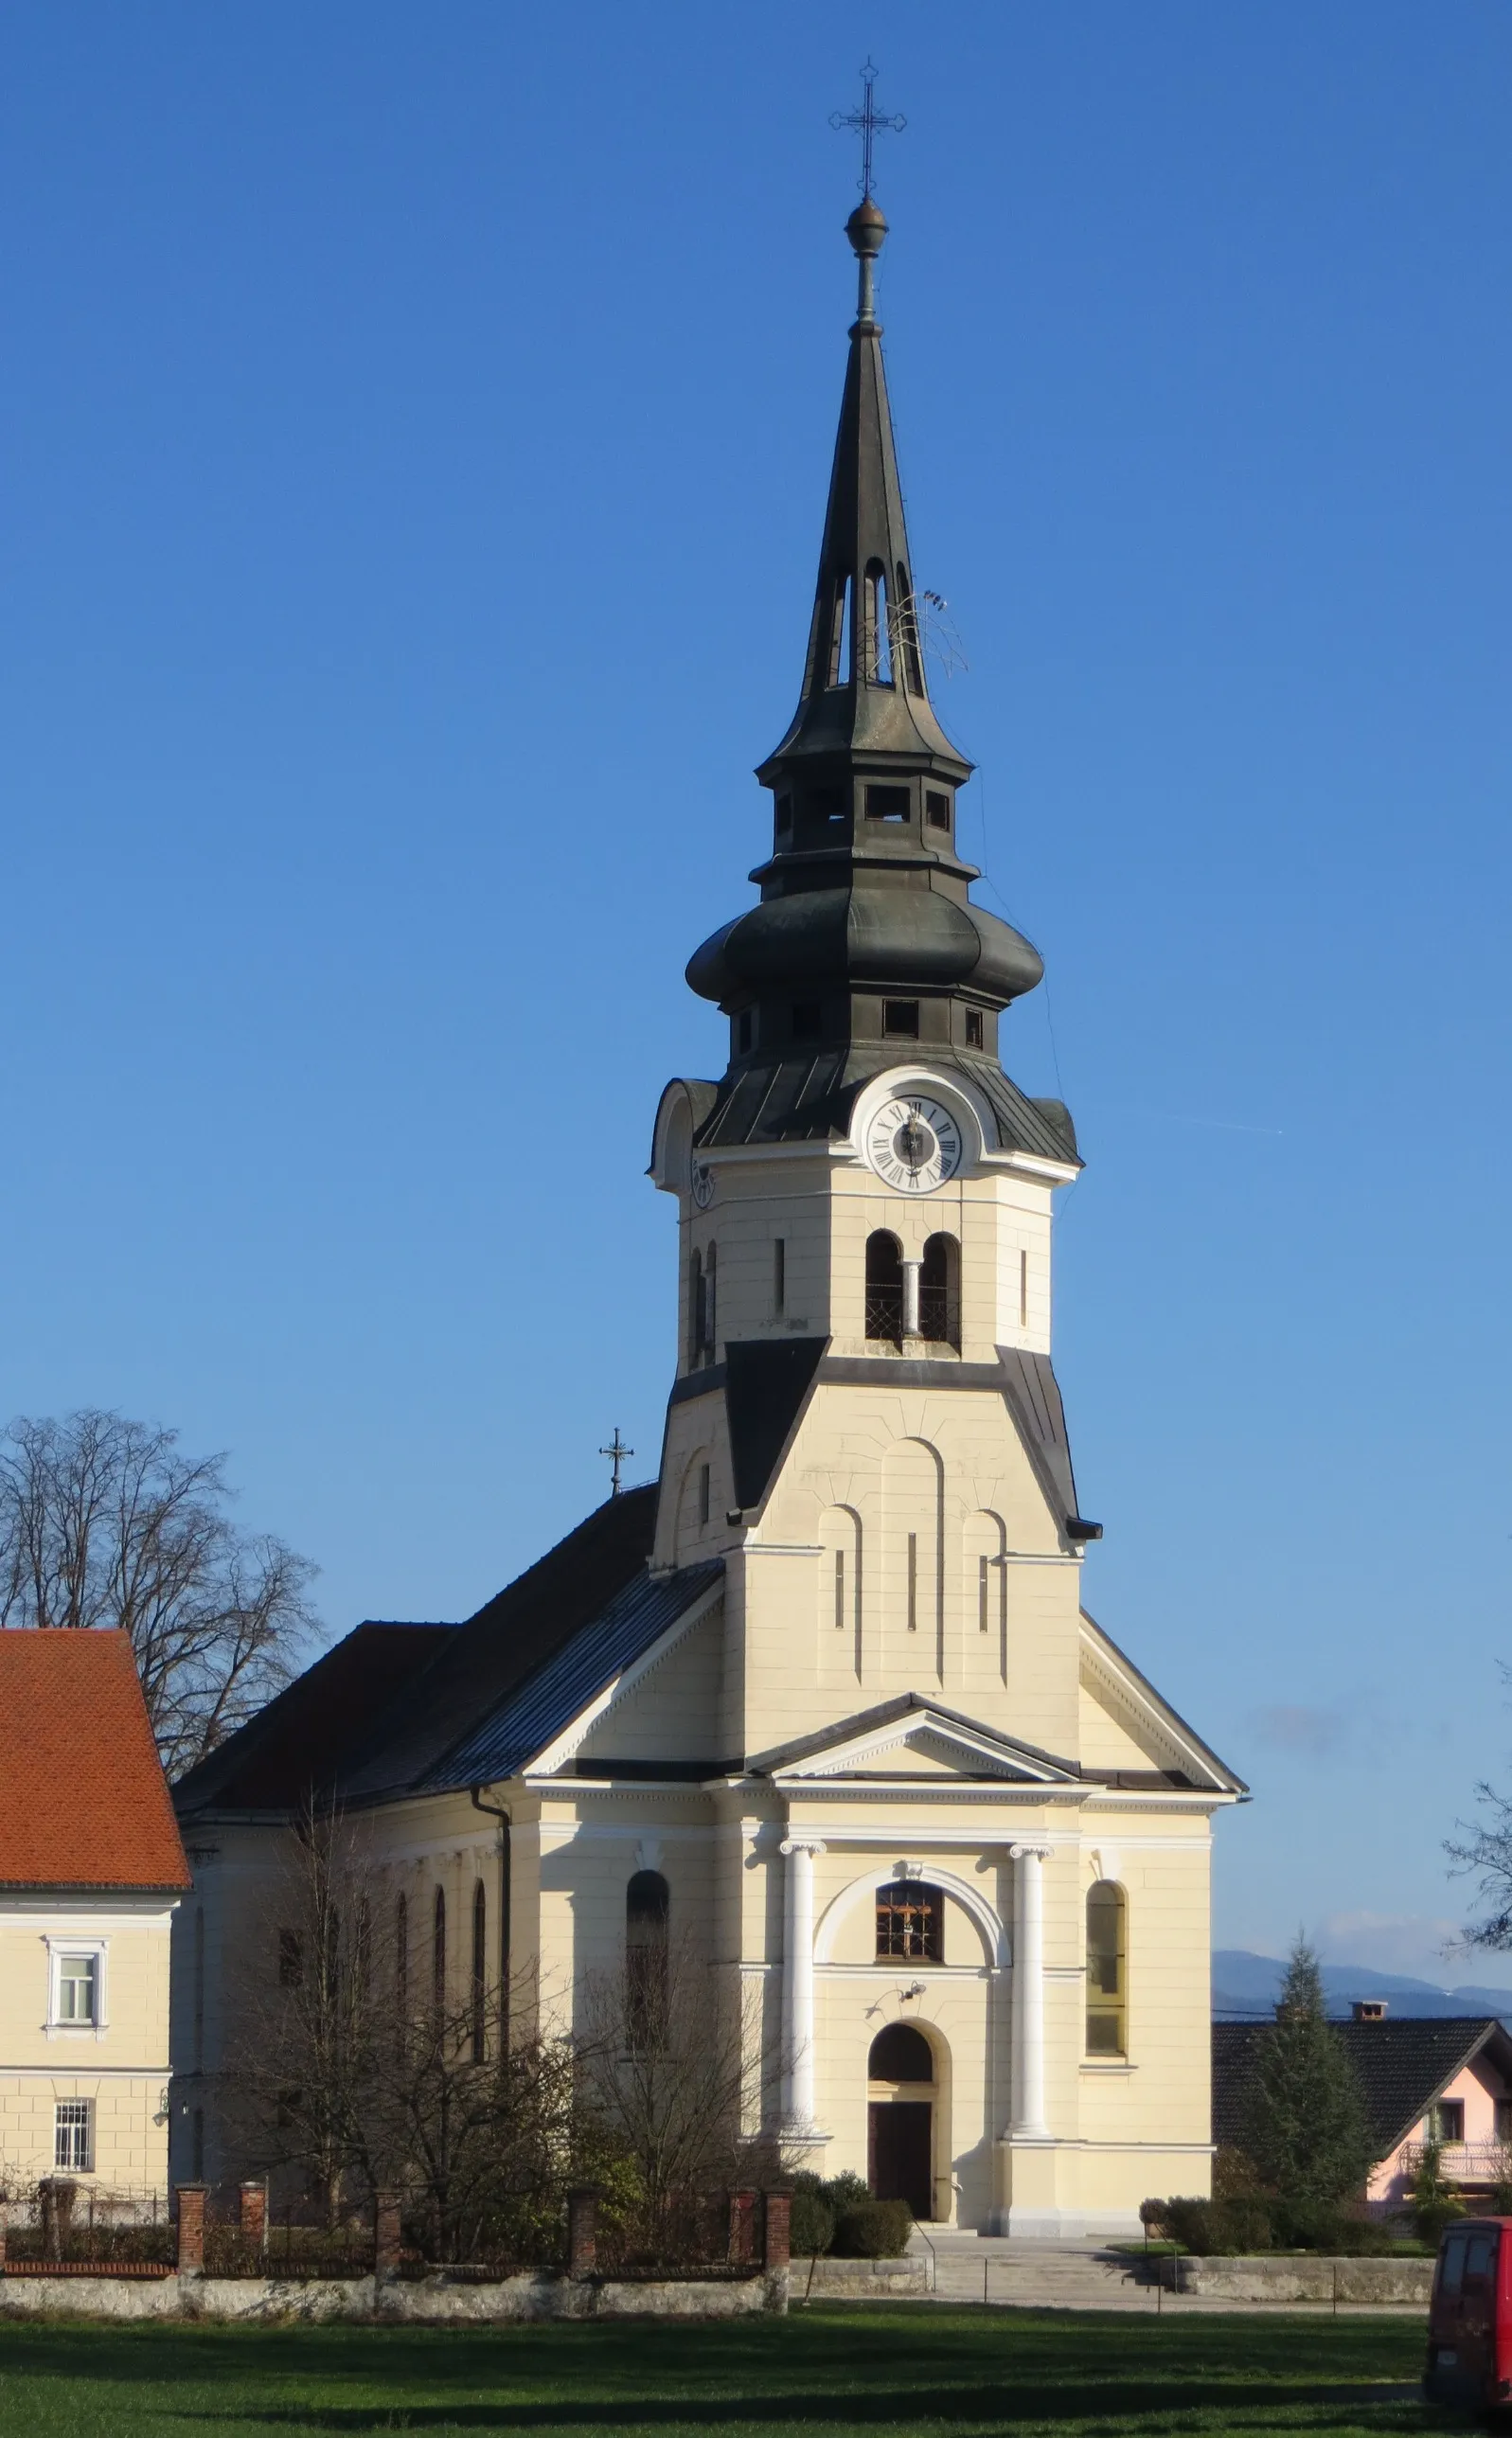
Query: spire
866	935
863	684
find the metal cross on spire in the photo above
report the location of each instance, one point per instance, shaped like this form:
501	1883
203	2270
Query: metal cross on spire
867	121
616	1451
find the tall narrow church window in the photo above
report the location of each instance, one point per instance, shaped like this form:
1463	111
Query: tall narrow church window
937	808
840	1590
695	1307
779	1275
984	1588
647	1909
439	1955
939	1291
480	1971
710	1290
1023	1290
910	1923
703	1494
913	1582
199	1985
884	1287
1107	1972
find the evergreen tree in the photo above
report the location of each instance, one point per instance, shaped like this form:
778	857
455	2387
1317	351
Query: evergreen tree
1307	2128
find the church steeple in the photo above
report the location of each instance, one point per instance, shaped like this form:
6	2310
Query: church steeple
866	936
863	683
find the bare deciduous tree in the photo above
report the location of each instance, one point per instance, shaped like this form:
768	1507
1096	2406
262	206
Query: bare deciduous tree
103	1523
352	2074
672	2063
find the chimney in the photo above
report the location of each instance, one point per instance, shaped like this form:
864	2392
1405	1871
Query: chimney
1369	2010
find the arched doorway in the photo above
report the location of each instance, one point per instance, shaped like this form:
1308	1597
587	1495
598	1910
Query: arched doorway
900	2118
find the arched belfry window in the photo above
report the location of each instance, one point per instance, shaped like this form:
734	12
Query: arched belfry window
905	622
876	638
884	1287
910	1923
648	1916
841	639
939	1291
1107	1972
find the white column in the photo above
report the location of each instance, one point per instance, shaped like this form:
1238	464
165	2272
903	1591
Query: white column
1028	2121
911	1271
797	1980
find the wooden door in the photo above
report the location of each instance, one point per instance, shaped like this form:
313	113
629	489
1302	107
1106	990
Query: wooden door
901	2145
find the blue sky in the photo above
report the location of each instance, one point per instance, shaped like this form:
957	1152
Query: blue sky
415	428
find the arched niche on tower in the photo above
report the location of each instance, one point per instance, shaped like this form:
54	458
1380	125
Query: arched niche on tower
983	1594
838	1626
697	1506
910	1561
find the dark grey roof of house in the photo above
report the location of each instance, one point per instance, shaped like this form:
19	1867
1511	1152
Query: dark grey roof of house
532	1718
1403	2066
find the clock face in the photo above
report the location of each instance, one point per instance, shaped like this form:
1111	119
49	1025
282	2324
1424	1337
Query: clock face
914	1144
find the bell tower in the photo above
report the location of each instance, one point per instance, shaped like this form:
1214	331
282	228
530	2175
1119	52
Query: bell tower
864	1195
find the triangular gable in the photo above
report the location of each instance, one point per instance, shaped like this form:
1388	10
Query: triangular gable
916	1738
1116	1683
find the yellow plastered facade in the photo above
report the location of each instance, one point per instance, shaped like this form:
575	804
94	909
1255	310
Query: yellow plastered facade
893	1685
117	2066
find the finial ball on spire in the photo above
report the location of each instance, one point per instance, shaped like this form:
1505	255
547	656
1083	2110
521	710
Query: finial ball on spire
867	228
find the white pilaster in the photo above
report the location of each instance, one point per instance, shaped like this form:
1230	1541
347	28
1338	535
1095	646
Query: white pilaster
797	1982
1028	2121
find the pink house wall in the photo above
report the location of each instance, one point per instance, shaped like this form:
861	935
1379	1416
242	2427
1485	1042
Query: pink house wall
1480	2086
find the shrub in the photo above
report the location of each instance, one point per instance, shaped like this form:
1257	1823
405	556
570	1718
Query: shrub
1239	2224
813	2219
872	2230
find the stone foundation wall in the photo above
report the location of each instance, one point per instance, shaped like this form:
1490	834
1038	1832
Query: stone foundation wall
1307	2278
426	2298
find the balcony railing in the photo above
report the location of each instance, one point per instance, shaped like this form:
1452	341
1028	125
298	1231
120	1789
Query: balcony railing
939	1321
1463	2163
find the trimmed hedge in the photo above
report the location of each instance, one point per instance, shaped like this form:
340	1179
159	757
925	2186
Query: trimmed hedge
844	2217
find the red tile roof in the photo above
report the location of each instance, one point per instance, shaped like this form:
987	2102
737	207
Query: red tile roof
83	1799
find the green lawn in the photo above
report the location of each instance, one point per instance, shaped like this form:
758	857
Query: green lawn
899	2369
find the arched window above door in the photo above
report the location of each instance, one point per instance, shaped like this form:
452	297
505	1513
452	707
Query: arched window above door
900	2054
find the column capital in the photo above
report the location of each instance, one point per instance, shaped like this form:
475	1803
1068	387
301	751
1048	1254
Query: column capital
1025	1853
803	1842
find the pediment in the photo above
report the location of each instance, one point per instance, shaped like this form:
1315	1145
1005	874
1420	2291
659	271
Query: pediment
921	1742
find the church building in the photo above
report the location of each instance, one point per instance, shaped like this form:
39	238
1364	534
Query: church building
824	1698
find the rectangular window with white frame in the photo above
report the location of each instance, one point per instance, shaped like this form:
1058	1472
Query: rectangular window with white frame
74	2135
75	1984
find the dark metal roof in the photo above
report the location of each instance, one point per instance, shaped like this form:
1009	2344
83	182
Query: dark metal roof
1033	1394
810	1099
560	1690
765	1387
1403	2065
298	1744
494	1653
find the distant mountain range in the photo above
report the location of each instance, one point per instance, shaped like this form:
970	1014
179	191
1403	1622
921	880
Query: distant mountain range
1245	1988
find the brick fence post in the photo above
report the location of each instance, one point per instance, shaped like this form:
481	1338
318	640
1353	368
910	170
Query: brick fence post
743	2228
191	2256
778	2249
387	2234
582	2230
252	2206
